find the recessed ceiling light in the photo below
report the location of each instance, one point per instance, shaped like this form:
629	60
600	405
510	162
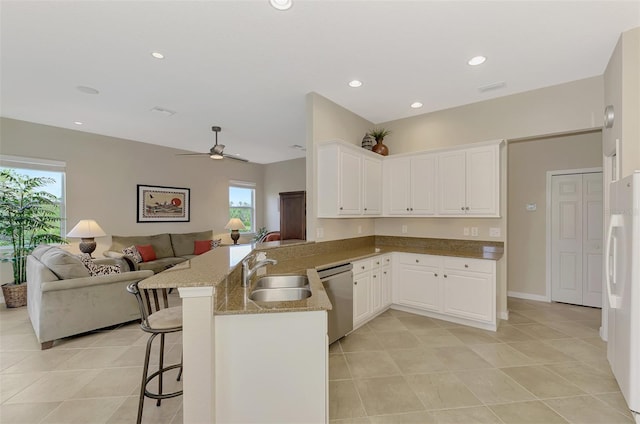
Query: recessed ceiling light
355	83
416	105
477	60
87	90
78	123
281	4
157	55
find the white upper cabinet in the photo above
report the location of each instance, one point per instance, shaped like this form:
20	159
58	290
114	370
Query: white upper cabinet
409	185
349	181
469	182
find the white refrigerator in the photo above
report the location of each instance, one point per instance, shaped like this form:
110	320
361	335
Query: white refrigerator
622	271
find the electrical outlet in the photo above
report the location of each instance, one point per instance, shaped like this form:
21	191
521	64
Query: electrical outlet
404	229
465	231
359	229
494	232
474	231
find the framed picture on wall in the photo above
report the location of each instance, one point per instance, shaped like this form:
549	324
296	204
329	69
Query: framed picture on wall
163	204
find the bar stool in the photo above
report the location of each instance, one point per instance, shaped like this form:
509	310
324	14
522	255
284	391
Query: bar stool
158	319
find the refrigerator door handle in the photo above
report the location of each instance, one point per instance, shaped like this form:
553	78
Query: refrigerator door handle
611	256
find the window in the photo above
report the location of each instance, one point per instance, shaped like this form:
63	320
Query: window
242	201
40	168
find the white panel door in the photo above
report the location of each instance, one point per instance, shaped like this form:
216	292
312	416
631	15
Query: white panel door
397	183
592	240
452	183
483	181
566	238
469	295
423	185
372	186
350	184
576	239
361	297
419	286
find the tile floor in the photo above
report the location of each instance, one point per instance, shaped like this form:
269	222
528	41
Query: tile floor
545	365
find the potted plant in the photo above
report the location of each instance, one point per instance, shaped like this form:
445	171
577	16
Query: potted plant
29	216
379	134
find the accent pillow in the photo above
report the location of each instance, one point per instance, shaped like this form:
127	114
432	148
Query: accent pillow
132	252
147	252
96	269
201	246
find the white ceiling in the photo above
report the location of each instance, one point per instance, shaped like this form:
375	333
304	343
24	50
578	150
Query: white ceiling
247	67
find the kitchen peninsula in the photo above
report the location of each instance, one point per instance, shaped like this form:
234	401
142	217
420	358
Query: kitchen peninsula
258	362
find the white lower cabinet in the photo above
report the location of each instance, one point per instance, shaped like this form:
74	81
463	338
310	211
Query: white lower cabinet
454	289
371	288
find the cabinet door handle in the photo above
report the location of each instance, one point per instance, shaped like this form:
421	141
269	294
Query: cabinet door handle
378	263
445	275
365	209
407	209
412	209
385	273
467	208
375	276
417	261
466	266
340	207
435	275
462	208
362	267
355	283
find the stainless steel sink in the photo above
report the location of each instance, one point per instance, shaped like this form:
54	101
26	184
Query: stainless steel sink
282	281
281	288
282	294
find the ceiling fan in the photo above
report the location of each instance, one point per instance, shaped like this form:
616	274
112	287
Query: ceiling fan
217	151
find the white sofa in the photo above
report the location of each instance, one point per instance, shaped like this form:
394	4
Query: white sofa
64	300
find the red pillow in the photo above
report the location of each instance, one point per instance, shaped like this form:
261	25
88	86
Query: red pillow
201	246
147	252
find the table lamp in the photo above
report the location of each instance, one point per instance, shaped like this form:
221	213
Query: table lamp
234	225
87	229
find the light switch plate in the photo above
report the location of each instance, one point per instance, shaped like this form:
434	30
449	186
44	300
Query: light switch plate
531	207
404	229
474	231
465	231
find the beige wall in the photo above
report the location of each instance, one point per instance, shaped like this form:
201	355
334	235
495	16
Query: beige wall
329	121
102	173
289	175
529	162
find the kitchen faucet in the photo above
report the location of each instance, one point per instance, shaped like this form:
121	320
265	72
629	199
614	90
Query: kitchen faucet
247	272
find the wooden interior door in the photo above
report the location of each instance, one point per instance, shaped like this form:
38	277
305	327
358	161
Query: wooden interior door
293	215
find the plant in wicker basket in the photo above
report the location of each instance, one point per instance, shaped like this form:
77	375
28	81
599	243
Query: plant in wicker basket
29	216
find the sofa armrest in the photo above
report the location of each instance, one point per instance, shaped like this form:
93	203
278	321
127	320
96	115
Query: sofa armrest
74	283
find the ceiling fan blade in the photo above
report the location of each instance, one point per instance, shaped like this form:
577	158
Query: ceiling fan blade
238	158
193	154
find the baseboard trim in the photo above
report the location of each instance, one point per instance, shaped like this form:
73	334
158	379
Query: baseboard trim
528	296
504	315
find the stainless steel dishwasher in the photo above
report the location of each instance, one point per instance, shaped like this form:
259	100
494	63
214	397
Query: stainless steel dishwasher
338	283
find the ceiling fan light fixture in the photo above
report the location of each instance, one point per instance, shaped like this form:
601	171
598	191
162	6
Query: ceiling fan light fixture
216	156
281	4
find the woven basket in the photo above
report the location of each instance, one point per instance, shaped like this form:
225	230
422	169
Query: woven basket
15	295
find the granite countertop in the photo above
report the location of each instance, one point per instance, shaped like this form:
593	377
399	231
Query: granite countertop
220	268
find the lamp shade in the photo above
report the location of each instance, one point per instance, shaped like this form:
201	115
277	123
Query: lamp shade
235	224
86	228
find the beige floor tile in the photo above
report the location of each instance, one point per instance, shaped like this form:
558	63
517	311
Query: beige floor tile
44	360
477	415
151	414
26	413
371	364
92	358
360	420
587	378
437	338
54	386
541	352
417	323
493	386
11	384
539	331
121	338
111	382
471	336
441	391
595	341
501	355
179	417
10	327
542	382
398	313
421	417
517	318
586	409
344	401
335	347
84	411
460	358
78	341
360	342
9	359
616	401
578	349
417	360
398	339
13	342
576	329
386	324
534	412
601	365
387	395
510	333
338	369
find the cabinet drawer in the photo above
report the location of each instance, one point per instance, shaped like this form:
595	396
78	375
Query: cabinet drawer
473	265
416	259
361	266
